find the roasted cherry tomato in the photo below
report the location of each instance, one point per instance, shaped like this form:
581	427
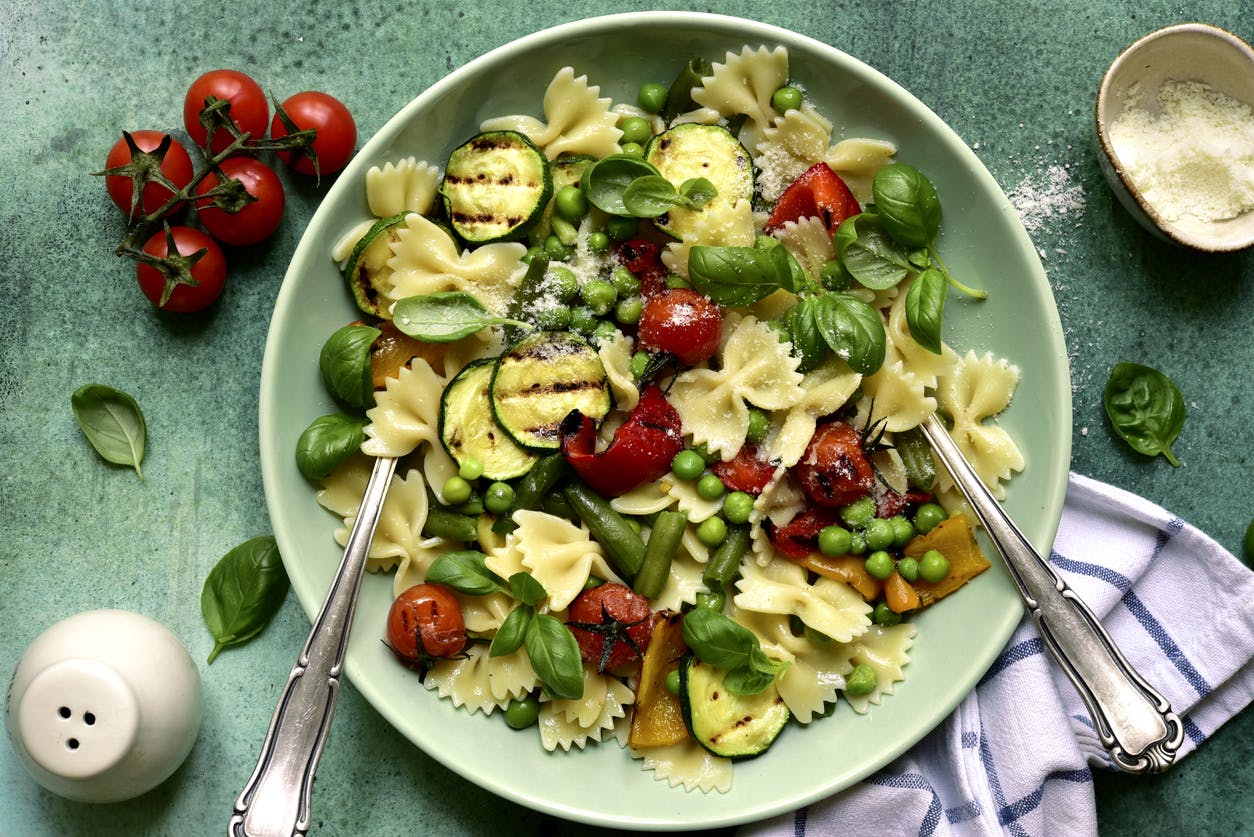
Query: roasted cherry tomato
612	625
336	131
746	471
175	164
208	271
799	537
682	322
818	192
249	108
425	622
640	452
644	259
834	470
256	220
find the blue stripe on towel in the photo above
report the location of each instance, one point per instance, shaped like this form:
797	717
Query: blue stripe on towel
1012	812
799	821
914	781
1012	655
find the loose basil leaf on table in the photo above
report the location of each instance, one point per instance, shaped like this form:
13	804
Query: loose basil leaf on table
554	655
345	364
925	306
112	423
243	592
327	442
445	316
1145	407
853	330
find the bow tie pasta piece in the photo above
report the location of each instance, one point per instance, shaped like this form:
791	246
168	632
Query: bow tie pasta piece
744	84
682	584
895	396
824	391
404	186
810	242
571	723
779	502
398	535
832	608
886	650
857	160
689	765
579	122
406	413
977	388
559	554
480	683
727	225
616	358
926	366
794	142
816	672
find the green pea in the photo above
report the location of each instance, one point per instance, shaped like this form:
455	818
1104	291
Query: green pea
592	582
880	564
786	99
599	295
712	531
557	250
737	507
759	423
927	517
879	533
687	465
554	318
903	530
633	149
521	714
674	282
456	490
627	311
624	281
598	242
562	283
835	540
619	228
713	599
604	332
884	615
652	97
570	203
861	681
933	566
639	363
857	543
583	320
635	129
672	681
859	513
710	487
707	455
816	637
499	497
470	469
909	568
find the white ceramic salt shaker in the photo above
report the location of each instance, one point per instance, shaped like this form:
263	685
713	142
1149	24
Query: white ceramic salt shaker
104	706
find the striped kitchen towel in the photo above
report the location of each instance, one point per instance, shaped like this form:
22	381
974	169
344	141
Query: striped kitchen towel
1015	756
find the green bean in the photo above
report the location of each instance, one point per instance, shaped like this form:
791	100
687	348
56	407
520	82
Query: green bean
532	488
622	545
916	457
450	525
556	505
679	95
668	529
725	560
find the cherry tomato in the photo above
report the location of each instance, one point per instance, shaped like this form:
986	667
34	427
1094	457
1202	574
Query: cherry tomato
612	625
176	165
337	132
682	322
746	471
250	111
255	221
208	271
426	622
834	470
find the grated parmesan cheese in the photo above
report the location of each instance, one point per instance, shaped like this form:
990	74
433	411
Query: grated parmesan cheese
1190	156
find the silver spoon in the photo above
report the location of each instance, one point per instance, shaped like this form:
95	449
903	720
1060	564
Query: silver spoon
275	801
1134	722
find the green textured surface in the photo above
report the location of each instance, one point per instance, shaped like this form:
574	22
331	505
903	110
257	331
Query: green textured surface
1016	80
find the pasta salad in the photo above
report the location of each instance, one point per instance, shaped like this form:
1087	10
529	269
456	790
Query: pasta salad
654	372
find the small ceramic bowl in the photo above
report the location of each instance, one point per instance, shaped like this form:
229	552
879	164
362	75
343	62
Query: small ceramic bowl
1185	52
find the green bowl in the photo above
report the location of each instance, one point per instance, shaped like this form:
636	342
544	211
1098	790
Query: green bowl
983	242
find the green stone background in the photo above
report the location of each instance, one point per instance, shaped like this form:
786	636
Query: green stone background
1015	79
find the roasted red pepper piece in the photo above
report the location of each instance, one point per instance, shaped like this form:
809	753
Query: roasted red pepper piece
745	471
640	452
799	537
643	258
818	192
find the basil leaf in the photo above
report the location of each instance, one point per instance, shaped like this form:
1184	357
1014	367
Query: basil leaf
649	196
112	423
605	181
466	571
803	331
735	275
853	330
696	192
444	316
554	655
870	256
327	442
717	639
509	637
925	305
1145	407
243	592
345	364
747	680
526	589
906	204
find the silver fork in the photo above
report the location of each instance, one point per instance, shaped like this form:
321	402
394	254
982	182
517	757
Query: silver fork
1134	722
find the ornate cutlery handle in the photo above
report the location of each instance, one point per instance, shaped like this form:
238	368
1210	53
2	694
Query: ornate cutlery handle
1134	722
275	802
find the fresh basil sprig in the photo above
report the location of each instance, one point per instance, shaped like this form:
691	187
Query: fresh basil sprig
466	571
725	644
870	256
744	275
907	205
445	316
345	364
243	592
112	423
925	305
654	195
605	181
1145	407
327	442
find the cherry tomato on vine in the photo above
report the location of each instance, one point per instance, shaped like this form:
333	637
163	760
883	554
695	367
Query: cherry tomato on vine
337	132
250	111
426	622
253	222
208	271
612	624
176	165
682	322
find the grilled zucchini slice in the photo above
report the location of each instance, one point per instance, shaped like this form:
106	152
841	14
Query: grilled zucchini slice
468	430
729	725
540	380
496	186
693	150
367	271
